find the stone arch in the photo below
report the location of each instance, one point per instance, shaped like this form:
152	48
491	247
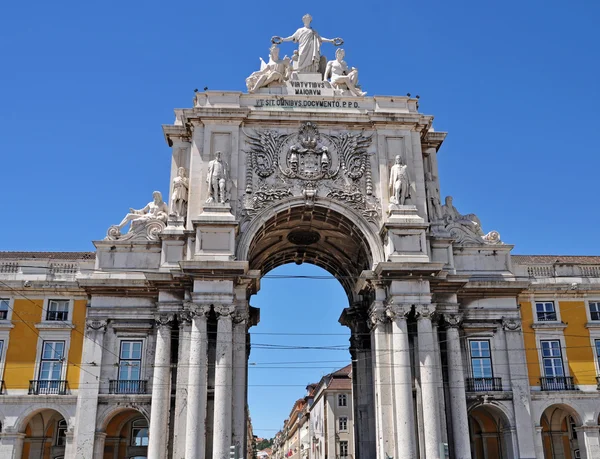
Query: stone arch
30	412
328	234
559	438
490	431
106	416
45	432
125	433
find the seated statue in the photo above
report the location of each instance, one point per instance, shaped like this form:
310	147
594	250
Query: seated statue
154	211
340	76
275	71
466	228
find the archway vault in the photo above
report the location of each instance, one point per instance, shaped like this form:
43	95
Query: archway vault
327	235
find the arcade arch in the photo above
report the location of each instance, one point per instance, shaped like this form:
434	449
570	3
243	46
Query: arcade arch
126	435
490	433
45	435
559	434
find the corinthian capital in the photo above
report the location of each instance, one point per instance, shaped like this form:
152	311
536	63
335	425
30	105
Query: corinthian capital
398	311
425	311
224	310
96	325
164	320
240	316
377	317
511	324
453	320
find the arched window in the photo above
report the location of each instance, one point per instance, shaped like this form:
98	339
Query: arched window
61	433
139	433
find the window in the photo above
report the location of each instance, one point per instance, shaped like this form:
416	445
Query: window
58	310
61	433
545	311
130	360
596	342
51	366
552	357
595	310
342	400
481	359
344	449
139	433
343	423
1	349
4	308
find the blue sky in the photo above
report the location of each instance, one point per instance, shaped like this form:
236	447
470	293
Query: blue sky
86	86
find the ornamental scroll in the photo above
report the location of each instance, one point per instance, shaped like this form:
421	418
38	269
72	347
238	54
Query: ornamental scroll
311	164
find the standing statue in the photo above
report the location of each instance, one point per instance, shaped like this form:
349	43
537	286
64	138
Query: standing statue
433	198
399	186
276	70
179	196
217	179
154	210
341	76
309	47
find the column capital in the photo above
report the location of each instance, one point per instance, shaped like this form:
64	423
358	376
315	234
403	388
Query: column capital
224	310
454	320
511	323
593	428
377	317
240	316
425	311
96	324
164	320
398	311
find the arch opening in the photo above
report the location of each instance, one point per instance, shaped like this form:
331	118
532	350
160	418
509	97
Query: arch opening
490	432
45	435
559	434
127	435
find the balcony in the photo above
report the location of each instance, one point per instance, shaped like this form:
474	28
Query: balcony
47	387
127	386
484	384
57	316
557	383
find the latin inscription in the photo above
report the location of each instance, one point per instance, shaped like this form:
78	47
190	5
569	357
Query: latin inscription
287	103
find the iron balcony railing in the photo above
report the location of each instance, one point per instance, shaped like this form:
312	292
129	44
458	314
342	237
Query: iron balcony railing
484	384
557	383
57	315
127	386
47	387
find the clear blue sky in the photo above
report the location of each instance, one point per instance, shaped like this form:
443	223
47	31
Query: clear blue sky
85	87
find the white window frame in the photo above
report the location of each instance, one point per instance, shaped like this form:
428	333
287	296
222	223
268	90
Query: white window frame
142	359
11	303
52	335
555	303
588	301
46	308
470	356
341	397
147	427
562	349
343	424
4	337
347	444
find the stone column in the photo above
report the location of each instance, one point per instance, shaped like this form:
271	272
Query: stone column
538	442
517	367
11	445
223	382
161	389
99	445
240	362
197	387
429	383
181	388
89	382
403	394
456	381
588	437
382	376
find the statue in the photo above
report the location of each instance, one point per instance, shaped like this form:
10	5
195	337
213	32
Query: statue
217	180
433	200
309	47
148	222
276	70
399	186
450	214
466	228
179	197
341	76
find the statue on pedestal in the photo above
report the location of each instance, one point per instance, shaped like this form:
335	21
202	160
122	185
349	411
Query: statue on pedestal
276	70
341	77
179	196
399	186
309	47
148	221
217	180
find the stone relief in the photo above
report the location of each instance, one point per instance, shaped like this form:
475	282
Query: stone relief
216	178
309	59
342	78
179	196
466	229
310	164
146	223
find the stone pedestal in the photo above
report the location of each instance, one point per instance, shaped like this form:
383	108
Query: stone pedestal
216	229
404	233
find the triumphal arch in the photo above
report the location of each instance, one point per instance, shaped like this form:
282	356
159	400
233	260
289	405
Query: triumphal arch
304	167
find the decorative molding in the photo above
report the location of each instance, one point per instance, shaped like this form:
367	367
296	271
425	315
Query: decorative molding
240	316
376	318
164	320
398	311
224	310
425	311
454	320
96	324
511	324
